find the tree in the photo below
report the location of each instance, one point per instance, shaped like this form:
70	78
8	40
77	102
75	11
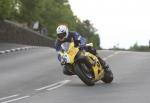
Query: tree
136	47
30	10
57	12
5	9
87	30
149	43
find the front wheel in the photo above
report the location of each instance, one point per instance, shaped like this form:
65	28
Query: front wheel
84	73
108	77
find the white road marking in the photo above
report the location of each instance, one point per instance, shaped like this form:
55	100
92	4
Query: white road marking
27	47
7	51
2	52
105	58
9	97
13	50
59	84
16	99
55	85
16	49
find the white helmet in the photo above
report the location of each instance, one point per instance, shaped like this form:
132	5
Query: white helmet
62	32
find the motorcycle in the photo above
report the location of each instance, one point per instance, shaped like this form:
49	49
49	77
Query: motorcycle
84	64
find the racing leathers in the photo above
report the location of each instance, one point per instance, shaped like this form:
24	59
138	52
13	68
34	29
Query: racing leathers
81	43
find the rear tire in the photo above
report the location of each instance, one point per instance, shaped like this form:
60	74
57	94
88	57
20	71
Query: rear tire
108	77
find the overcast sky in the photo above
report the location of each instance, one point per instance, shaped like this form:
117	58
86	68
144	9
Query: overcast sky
119	22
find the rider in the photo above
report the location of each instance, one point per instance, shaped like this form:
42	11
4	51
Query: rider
64	35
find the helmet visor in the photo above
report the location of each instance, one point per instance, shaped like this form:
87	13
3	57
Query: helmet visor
61	36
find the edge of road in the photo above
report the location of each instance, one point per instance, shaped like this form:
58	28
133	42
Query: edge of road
16	49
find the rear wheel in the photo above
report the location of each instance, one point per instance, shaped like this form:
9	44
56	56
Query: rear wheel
85	74
108	77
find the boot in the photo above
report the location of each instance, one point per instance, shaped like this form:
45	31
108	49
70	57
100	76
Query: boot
67	70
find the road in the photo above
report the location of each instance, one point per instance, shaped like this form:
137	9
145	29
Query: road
35	76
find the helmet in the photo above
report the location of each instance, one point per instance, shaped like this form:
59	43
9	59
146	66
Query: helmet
62	32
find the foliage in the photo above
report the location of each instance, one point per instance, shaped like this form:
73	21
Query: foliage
30	10
136	47
89	32
55	13
50	13
5	8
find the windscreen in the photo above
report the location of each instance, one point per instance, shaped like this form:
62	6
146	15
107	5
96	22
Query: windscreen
65	46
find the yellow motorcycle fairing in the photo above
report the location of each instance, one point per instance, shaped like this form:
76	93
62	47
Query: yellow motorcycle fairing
97	68
71	52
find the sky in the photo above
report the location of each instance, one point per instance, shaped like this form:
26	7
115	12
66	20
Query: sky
120	23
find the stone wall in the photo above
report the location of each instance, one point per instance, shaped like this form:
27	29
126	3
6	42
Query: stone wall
13	33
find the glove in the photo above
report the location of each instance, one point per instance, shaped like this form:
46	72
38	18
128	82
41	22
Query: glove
82	47
63	59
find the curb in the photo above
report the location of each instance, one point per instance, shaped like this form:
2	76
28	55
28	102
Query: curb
15	50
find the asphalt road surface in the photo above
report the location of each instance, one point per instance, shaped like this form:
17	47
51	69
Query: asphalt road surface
35	76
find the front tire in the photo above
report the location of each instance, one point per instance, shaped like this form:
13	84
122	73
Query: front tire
85	77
